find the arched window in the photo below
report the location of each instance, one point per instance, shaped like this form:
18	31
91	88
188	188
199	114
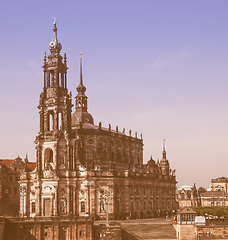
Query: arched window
82	206
33	207
48	155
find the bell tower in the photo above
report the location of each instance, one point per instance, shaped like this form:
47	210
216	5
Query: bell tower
81	114
55	109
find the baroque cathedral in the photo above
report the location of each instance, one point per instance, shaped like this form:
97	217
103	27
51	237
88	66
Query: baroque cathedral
87	170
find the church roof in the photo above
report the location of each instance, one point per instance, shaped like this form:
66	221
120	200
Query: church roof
7	162
31	165
96	127
187	210
10	162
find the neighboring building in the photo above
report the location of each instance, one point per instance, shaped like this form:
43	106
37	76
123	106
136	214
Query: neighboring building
187	196
219	184
214	198
9	187
186	216
88	170
218	195
185	224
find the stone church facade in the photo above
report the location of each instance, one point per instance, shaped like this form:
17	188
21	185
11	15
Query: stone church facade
87	170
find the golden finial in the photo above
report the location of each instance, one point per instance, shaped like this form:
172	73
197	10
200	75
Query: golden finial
80	55
54	20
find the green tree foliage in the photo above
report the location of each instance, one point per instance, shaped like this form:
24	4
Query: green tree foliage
220	212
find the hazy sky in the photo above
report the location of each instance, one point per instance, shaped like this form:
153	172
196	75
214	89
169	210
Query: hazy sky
158	67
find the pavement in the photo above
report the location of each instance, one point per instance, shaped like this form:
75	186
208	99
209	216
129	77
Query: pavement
150	229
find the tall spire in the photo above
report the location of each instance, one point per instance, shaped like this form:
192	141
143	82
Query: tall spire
54	30
81	68
55	46
163	144
81	114
164	151
81	88
164	163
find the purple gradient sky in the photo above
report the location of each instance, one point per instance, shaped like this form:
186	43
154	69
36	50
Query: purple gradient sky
156	67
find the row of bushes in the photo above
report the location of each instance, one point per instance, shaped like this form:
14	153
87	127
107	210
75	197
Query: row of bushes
220	212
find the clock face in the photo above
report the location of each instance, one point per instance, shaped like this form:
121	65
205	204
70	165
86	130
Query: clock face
52	44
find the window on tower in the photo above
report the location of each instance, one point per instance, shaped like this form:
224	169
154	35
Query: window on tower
60	80
82	206
50	122
52	78
60	118
48	155
33	210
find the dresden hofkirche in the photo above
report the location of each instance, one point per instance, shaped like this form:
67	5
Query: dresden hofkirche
87	170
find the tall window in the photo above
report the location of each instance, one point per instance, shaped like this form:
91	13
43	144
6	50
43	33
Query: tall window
60	118
50	122
52	78
82	206
102	206
48	155
89	155
33	210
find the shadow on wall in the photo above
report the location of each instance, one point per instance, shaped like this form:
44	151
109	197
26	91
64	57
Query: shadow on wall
13	231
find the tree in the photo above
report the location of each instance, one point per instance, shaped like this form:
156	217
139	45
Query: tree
201	190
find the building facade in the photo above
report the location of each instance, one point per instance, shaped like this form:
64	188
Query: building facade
219	184
187	196
9	186
83	169
218	195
